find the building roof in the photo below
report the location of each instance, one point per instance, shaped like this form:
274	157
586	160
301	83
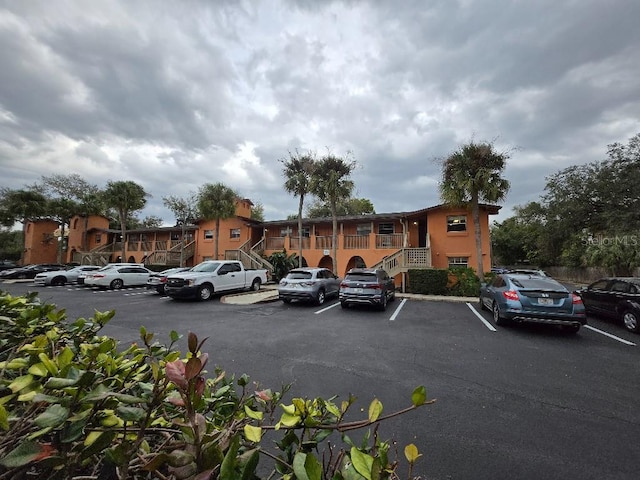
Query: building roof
492	209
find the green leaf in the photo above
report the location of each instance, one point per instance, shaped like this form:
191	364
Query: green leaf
419	396
24	454
131	414
306	467
174	336
411	453
375	409
52	417
227	469
253	434
248	472
362	462
4	418
252	413
20	383
48	363
39	370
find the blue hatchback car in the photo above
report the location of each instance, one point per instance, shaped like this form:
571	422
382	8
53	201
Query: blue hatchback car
522	298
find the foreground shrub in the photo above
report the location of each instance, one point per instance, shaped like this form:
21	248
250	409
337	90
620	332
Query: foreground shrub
74	405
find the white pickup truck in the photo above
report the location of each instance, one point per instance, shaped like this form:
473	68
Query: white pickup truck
214	276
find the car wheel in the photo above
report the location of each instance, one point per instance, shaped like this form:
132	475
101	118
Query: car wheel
497	318
205	292
482	305
320	298
344	304
255	286
286	300
116	284
383	302
57	281
393	296
630	320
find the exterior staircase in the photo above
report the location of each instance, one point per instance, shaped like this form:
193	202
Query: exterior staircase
171	257
405	259
249	256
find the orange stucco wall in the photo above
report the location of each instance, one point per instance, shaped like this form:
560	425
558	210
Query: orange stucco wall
445	245
77	230
39	244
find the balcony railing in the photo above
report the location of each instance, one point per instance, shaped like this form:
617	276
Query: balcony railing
295	242
392	240
275	243
324	243
353	242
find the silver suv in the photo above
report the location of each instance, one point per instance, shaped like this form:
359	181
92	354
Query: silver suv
367	286
311	284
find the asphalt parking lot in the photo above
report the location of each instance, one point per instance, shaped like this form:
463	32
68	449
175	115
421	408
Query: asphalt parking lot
526	402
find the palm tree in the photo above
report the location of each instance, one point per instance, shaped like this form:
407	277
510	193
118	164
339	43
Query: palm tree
216	202
331	183
185	211
125	197
21	206
470	175
298	170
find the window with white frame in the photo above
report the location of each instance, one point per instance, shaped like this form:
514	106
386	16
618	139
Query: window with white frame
208	234
458	262
235	233
456	223
363	228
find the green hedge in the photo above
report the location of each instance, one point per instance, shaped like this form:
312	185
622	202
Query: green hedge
75	404
459	282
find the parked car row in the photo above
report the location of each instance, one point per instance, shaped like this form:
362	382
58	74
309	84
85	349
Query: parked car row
29	271
532	296
361	286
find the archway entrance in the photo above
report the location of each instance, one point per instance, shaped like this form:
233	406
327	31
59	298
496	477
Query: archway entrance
355	262
326	262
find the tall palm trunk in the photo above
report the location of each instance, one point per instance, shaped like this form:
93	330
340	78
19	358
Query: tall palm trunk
334	237
300	230
475	213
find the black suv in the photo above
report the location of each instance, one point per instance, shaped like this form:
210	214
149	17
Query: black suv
367	286
617	298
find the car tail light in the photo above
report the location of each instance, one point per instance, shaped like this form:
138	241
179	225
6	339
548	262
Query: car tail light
307	284
97	275
577	300
376	286
163	279
511	295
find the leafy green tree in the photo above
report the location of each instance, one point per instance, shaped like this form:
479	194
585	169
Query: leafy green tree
151	221
349	206
61	210
331	183
521	236
88	197
11	244
298	171
125	197
257	212
470	175
185	210
619	253
217	202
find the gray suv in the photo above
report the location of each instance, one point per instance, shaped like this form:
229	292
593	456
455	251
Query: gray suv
367	286
311	284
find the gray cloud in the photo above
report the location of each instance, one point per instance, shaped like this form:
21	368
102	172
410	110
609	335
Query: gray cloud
175	95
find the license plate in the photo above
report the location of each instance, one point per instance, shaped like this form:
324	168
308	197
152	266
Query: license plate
545	301
358	290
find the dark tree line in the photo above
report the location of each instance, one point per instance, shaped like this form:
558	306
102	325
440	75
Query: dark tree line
588	215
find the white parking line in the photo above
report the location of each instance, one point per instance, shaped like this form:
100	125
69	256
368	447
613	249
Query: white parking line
484	320
626	342
327	308
395	314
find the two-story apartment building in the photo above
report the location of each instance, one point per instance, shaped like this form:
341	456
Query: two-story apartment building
433	237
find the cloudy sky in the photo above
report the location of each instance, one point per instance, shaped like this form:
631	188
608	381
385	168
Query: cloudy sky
173	95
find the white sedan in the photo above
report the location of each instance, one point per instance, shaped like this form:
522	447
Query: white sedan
60	277
116	277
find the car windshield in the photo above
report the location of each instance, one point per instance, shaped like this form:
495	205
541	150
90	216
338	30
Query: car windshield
298	275
537	283
362	277
206	267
